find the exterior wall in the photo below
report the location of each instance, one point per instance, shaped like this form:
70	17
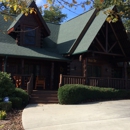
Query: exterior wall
104	66
76	68
95	67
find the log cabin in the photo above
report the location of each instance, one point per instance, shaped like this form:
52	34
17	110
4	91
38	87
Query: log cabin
84	50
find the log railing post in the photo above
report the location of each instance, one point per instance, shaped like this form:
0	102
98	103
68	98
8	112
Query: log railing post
60	81
30	85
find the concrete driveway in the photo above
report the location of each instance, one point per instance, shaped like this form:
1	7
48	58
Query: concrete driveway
109	115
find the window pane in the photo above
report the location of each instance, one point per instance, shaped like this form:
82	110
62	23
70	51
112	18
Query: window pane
30	32
29	37
29	40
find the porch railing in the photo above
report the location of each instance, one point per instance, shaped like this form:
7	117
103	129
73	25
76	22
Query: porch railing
95	81
30	85
68	79
109	82
21	80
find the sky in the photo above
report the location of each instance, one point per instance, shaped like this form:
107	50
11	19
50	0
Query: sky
70	14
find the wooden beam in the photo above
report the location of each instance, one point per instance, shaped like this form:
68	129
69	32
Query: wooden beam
100	44
117	40
103	33
10	30
84	67
52	74
106	36
22	62
112	46
5	64
113	54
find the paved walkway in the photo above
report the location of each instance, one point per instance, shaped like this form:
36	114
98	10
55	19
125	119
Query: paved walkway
110	115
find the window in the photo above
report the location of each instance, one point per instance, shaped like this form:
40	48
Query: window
30	36
93	71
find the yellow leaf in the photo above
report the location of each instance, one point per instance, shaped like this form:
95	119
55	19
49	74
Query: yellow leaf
109	19
46	6
15	7
31	11
26	14
49	1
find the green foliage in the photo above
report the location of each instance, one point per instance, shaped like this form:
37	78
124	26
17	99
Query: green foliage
9	7
54	15
6	85
6	106
2	115
74	93
16	102
20	93
123	10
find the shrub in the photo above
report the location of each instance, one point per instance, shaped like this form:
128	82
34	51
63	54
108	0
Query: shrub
74	93
71	94
16	102
6	106
2	115
6	85
21	94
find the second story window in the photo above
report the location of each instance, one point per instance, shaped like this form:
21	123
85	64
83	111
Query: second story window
30	36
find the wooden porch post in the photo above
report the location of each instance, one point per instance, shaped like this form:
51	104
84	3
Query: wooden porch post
60	83
4	64
22	62
52	75
106	36
22	79
125	73
84	70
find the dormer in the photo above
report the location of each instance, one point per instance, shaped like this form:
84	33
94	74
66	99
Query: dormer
29	30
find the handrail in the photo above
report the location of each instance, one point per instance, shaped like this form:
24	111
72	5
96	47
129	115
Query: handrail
118	83
70	79
30	85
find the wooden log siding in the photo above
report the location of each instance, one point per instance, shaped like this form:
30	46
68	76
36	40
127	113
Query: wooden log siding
109	82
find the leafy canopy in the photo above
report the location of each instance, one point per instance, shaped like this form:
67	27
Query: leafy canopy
54	15
9	7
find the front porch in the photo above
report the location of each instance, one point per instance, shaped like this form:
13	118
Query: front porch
117	83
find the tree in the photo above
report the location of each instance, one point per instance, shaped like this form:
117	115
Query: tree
10	7
54	15
100	4
122	7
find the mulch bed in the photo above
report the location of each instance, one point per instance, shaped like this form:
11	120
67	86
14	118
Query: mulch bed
13	121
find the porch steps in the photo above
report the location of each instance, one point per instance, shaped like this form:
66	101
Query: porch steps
41	96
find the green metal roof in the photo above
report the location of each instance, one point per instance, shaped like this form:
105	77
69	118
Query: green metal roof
30	52
70	31
16	19
91	32
4	37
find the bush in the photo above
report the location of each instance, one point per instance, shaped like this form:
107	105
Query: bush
2	115
76	93
6	85
20	93
16	102
6	106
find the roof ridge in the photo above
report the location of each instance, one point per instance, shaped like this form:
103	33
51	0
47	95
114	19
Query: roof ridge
53	23
81	35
